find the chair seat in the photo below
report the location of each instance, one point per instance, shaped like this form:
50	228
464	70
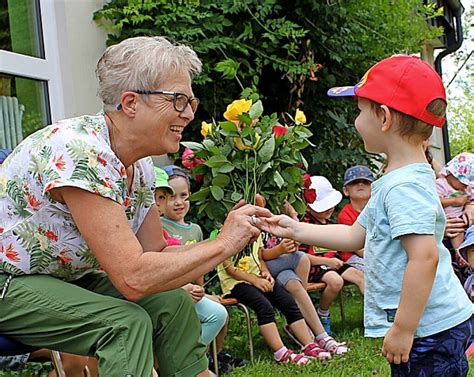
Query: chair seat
12	347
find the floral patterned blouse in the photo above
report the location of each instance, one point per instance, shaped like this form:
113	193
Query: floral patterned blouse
37	234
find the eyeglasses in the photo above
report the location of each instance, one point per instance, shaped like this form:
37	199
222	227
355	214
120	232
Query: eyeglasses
180	100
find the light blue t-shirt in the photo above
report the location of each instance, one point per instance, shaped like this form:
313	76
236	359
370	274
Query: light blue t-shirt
404	202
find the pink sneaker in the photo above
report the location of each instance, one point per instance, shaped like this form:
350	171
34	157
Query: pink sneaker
314	351
294	358
331	345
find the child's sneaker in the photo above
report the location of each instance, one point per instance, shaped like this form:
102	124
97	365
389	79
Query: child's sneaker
314	351
326	322
295	358
331	345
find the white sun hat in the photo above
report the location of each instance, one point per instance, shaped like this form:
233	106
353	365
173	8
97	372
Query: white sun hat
326	196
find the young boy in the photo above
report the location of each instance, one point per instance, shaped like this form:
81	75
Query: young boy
357	181
412	296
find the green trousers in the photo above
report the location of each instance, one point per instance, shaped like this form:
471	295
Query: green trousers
90	317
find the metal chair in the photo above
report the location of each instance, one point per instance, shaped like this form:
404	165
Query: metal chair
233	302
12	347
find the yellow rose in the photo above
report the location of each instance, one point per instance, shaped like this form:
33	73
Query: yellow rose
244	264
300	117
257	140
239	143
236	108
206	129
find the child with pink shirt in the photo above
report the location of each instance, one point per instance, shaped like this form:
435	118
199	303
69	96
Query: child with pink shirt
456	191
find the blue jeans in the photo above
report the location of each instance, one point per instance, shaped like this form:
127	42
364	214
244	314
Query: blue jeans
441	354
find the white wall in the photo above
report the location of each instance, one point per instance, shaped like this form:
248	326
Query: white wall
80	44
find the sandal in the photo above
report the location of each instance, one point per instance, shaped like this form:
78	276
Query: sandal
295	358
331	345
314	351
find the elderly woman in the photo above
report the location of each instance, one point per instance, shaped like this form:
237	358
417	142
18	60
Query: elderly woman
78	194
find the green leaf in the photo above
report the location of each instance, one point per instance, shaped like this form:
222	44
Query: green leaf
229	129
226	168
216	161
192	145
236	196
200	195
266	151
278	179
221	180
217	192
228	68
256	110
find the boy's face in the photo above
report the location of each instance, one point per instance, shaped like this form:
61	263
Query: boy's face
359	189
161	199
323	216
178	204
368	125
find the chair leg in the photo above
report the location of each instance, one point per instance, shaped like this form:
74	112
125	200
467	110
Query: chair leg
341	305
214	356
57	363
249	328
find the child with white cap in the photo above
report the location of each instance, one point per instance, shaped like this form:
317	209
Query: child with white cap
327	267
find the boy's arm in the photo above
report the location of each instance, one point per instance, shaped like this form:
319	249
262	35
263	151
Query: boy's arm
418	280
330	262
332	236
272	253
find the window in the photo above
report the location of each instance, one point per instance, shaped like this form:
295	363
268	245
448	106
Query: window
29	69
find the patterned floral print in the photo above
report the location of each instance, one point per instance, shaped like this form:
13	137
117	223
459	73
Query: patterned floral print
38	234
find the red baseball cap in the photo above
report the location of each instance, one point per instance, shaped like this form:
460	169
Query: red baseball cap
402	82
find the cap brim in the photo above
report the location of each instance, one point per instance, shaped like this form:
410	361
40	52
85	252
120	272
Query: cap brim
466	243
342	91
332	200
168	187
358	179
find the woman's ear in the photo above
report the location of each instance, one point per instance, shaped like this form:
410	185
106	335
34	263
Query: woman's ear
128	103
387	118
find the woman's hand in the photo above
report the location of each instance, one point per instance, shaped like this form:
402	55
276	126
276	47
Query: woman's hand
454	226
278	225
240	227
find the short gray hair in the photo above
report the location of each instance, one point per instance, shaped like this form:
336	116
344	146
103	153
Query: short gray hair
141	63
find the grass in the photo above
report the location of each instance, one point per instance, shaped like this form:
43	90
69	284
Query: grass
363	359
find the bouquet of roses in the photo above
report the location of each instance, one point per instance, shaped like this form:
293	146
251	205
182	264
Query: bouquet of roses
245	154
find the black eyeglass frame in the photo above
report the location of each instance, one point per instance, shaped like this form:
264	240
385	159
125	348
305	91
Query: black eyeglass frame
175	97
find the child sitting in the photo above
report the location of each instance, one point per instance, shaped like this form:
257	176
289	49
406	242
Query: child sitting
466	252
251	283
290	268
456	191
357	180
213	316
327	267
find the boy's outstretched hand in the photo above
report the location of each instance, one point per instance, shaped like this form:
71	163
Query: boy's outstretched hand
278	225
397	345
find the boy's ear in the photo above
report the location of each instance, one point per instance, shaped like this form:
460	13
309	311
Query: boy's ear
344	190
387	118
